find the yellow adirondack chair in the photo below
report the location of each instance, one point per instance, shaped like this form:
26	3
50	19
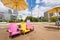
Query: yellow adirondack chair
23	27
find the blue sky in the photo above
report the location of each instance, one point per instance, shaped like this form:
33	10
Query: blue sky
31	3
44	5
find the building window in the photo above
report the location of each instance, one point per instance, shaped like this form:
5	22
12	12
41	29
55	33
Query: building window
10	11
59	13
51	14
13	17
1	16
15	12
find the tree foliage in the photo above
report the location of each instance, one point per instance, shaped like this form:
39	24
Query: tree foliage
32	19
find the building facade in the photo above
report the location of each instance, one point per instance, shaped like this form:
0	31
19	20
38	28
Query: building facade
8	15
14	14
52	12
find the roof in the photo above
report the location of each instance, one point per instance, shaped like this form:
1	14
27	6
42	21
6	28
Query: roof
55	9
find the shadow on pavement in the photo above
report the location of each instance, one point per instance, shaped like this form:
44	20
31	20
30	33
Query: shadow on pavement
14	36
49	28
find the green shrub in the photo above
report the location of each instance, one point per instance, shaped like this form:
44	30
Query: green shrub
44	19
18	20
11	21
53	19
28	18
35	19
32	19
3	20
0	20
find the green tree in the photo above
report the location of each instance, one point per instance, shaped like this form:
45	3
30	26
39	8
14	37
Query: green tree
44	19
32	19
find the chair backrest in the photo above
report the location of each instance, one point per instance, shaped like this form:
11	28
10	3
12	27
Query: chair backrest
13	27
23	25
28	23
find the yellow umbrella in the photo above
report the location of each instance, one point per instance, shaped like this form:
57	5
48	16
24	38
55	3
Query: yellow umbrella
15	4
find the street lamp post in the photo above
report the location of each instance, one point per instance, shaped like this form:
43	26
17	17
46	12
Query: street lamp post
37	2
38	11
31	10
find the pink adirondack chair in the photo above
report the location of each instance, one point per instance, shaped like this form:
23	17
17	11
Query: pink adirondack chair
29	26
13	29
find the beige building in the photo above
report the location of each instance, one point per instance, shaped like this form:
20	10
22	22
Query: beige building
52	12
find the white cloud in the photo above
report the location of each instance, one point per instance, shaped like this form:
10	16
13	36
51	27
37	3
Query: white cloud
37	1
51	3
35	11
2	8
40	10
24	13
